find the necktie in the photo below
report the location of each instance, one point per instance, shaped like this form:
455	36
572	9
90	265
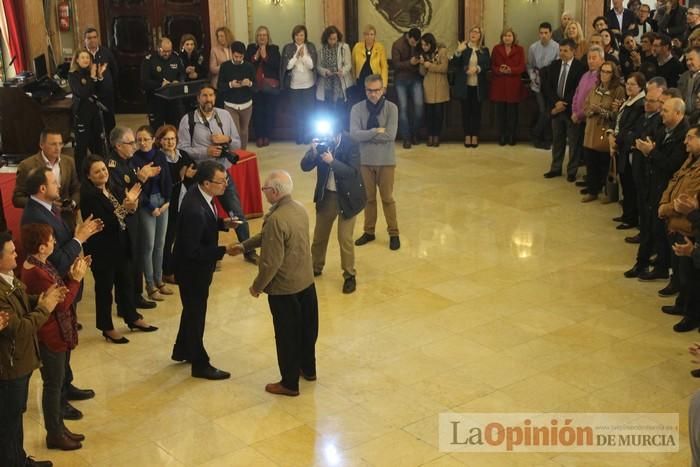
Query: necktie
213	207
56	212
562	79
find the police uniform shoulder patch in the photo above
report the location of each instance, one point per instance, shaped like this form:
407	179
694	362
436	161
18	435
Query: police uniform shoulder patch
83	81
159	69
112	164
148	57
127	179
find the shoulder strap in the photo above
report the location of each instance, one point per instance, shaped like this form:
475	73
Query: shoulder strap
190	121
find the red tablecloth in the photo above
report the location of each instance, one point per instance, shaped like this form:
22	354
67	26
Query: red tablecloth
247	179
12	214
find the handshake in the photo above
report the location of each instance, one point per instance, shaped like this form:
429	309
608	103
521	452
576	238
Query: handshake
234	249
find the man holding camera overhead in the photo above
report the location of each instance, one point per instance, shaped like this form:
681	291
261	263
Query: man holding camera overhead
208	133
339	193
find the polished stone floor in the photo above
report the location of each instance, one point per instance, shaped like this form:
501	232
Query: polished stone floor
507	295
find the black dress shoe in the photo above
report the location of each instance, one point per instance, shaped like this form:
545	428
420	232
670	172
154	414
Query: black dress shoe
653	275
62	442
625	226
634	239
502	141
75	394
695	373
552	174
178	357
79	326
581	183
618	219
307	377
364	238
70	413
685	325
317	273
349	285
210	373
30	462
394	242
669	291
635	271
144	304
571	178
406	144
671	310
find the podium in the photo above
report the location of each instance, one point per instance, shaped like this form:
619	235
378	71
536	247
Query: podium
183	90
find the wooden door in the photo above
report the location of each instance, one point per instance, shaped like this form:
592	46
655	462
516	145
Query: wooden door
132	30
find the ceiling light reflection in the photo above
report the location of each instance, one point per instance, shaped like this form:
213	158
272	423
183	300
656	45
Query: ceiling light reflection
331	454
522	242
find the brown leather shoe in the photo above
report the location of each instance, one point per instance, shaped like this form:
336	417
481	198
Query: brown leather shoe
62	442
73	436
169	279
277	388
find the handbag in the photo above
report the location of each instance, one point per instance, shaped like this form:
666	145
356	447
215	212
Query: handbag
270	86
612	189
600	138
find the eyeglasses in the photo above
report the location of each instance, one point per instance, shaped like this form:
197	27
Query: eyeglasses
373	91
266	188
130	143
219	182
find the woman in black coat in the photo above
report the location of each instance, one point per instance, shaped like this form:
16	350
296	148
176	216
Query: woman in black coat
112	258
629	122
265	57
471	63
85	78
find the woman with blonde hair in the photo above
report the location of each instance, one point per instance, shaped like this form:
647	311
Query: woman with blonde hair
574	31
220	53
368	58
265	57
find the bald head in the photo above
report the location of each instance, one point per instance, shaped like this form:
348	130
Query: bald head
165	48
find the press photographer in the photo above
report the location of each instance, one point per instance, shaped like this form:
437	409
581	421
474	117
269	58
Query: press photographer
339	193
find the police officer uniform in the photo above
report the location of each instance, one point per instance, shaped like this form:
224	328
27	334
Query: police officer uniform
122	176
155	69
106	90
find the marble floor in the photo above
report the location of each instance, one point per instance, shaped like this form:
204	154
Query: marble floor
507	295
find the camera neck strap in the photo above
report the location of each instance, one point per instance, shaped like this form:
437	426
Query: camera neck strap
205	122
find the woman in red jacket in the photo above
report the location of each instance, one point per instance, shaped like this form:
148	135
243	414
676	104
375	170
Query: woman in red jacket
59	335
507	64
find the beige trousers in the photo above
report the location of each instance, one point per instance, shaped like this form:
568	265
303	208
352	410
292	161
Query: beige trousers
326	213
242	120
382	177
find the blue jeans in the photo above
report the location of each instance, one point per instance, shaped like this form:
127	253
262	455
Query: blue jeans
153	231
403	89
13	404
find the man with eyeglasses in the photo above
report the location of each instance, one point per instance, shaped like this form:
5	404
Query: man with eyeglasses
122	176
63	168
373	124
196	252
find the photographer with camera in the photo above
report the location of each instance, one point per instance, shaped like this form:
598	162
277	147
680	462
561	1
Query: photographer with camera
208	133
339	193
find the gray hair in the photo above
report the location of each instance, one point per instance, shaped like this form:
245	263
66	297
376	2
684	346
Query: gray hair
117	134
597	49
281	182
677	104
374	78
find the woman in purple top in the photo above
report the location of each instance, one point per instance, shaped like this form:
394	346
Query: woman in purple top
153	213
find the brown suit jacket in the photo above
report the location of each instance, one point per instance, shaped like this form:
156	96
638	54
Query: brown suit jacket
70	185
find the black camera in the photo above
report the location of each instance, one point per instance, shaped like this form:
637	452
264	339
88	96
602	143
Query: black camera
323	145
231	156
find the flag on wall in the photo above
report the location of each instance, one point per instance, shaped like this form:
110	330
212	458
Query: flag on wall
14	17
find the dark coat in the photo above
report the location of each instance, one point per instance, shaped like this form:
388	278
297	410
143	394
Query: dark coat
83	88
197	249
666	158
66	248
550	81
640	164
271	64
346	171
196	60
107	89
630	120
507	87
461	64
628	19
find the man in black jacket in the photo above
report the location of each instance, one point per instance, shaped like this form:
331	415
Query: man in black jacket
339	193
620	20
157	71
559	82
107	90
196	252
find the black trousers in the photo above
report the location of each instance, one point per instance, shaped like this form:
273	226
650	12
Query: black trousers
120	277
264	106
88	135
630	210
162	111
434	116
597	164
53	370
647	225
302	101
133	228
295	318
13	404
688	281
194	294
171	230
471	112
507	119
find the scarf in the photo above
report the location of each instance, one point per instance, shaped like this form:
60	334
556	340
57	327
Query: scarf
374	111
66	318
120	211
333	91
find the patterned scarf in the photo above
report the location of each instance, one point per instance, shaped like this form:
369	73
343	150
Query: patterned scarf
329	60
120	211
66	319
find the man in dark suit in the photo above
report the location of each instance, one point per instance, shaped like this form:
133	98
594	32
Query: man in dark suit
620	20
42	187
195	254
107	90
559	82
339	193
63	167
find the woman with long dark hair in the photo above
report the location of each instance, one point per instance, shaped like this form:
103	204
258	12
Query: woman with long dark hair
472	63
436	89
334	75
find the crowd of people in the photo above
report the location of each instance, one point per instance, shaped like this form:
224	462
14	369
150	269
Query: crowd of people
626	103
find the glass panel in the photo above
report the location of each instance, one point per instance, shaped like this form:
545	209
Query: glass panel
176	26
524	17
131	34
129	94
182	2
118	3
